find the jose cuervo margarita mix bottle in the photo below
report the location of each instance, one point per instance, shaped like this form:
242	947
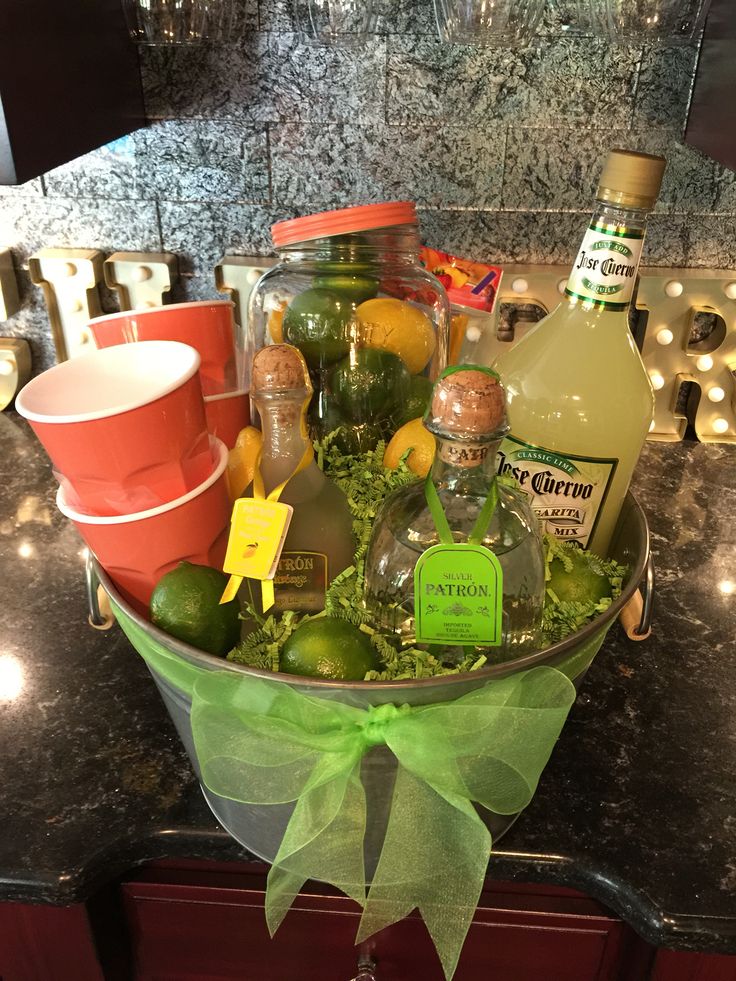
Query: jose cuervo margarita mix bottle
579	399
457	560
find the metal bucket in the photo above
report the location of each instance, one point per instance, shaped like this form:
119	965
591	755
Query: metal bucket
259	828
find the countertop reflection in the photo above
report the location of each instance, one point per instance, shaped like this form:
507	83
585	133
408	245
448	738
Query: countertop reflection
637	806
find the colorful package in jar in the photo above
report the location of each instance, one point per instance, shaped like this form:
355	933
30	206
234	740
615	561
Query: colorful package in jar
372	323
472	289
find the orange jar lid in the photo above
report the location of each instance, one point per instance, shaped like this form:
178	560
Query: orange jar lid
343	222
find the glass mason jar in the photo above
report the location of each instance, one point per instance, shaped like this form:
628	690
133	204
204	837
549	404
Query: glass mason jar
372	323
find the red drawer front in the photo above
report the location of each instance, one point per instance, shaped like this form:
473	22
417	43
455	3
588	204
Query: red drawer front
47	943
673	965
183	933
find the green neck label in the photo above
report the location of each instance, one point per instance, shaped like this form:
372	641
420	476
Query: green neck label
458	592
604	272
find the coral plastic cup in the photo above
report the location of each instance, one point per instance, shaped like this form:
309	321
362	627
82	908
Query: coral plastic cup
125	428
137	549
226	415
207	325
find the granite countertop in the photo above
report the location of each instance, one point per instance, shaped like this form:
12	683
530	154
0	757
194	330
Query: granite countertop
637	807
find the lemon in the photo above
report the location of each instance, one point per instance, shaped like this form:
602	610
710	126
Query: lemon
328	648
581	585
396	326
414	435
275	324
458	326
241	462
186	604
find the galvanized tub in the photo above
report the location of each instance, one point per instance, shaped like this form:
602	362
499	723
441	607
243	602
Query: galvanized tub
260	828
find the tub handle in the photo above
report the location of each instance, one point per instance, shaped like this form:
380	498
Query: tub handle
636	616
100	615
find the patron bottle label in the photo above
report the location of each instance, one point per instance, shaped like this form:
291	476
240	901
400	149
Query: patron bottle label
605	269
300	582
458	592
567	491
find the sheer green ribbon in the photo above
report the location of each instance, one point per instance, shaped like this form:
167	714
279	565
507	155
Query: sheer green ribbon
261	742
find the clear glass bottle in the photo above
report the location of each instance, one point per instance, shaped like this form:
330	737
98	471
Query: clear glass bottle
372	323
579	399
467	416
319	543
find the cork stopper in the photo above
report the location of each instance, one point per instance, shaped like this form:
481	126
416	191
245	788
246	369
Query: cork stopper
280	368
631	179
468	402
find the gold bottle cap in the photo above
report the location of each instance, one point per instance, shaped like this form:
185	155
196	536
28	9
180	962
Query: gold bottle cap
280	368
631	179
469	402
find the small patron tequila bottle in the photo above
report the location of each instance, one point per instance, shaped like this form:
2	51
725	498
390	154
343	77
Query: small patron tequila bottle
487	595
319	543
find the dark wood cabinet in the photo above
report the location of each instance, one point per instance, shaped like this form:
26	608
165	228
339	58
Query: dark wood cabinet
671	965
199	925
196	921
315	942
47	943
69	82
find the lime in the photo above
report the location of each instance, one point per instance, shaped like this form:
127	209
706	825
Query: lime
422	443
345	267
355	289
325	415
370	384
328	648
357	440
186	604
397	326
582	584
420	392
317	322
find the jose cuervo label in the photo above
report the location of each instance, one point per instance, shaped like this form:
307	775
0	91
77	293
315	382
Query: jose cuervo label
605	269
567	491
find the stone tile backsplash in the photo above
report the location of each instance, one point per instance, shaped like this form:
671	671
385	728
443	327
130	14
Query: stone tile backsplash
452	166
500	148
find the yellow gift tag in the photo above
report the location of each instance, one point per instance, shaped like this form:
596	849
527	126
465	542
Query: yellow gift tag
259	524
257	534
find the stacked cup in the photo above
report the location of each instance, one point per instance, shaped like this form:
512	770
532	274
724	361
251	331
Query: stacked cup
140	476
209	327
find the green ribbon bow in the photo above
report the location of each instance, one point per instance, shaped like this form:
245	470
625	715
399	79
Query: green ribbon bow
261	742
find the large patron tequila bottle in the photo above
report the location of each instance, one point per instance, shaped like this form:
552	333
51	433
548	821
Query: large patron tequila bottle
489	591
580	401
